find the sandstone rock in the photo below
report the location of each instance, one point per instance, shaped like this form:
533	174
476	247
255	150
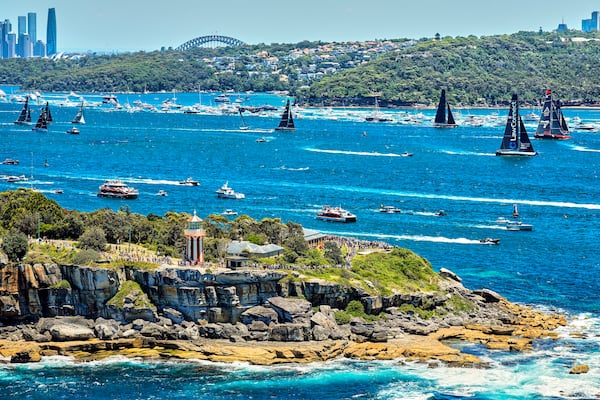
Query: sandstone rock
447	274
259	313
580	369
291	310
154	330
26	357
489	296
106	329
287	333
323	320
173	315
258	326
65	332
9	307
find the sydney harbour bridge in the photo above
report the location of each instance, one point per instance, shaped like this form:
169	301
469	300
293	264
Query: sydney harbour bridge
210	41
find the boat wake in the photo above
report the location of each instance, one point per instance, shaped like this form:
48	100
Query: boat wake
413	238
467	153
355	153
584	149
283	167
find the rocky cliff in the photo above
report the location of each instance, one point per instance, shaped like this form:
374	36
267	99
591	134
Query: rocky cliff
131	308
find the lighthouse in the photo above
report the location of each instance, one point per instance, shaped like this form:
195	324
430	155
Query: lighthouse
193	235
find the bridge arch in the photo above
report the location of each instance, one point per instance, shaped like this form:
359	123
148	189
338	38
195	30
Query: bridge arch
210	40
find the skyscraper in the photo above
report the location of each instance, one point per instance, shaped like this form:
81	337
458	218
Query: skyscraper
51	33
32	26
22	25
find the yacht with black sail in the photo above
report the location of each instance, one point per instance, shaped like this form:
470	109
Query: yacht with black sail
515	141
287	121
552	123
443	116
24	117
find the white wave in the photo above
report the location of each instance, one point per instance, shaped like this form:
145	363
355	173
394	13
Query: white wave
355	153
283	167
414	238
584	149
467	153
490	227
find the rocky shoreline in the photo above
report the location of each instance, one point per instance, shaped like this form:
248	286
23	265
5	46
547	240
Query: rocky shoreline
253	316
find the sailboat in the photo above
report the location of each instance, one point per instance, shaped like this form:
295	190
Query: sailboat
244	126
552	123
49	119
25	115
287	122
79	118
443	116
41	124
515	141
376	115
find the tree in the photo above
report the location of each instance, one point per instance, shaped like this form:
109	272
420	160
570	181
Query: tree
93	239
15	246
332	251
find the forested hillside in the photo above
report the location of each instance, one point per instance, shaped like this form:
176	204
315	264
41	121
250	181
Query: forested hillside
475	71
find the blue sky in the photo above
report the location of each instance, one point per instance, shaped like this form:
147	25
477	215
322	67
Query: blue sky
127	25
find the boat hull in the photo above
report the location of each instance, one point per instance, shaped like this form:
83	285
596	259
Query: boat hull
336	219
515	153
129	196
553	136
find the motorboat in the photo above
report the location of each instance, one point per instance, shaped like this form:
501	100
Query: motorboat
225	192
189	182
406	154
489	241
229	211
117	189
261	140
14	178
518	226
440	213
10	161
335	214
389	209
74	131
59	191
162	193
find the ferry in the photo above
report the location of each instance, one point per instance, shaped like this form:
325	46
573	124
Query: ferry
335	214
118	190
225	192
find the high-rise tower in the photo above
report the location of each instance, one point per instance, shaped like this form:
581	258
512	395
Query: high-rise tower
32	26
51	48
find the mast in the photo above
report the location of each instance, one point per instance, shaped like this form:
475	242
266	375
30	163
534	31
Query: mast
48	114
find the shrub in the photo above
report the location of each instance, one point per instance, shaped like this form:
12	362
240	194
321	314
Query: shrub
93	238
86	257
342	317
61	285
15	246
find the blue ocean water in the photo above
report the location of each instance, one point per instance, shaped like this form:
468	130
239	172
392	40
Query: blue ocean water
336	158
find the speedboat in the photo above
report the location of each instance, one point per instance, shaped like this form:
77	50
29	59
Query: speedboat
116	189
10	161
229	211
14	178
225	192
389	209
406	154
261	140
489	241
73	131
189	182
518	226
59	191
335	214
440	213
162	193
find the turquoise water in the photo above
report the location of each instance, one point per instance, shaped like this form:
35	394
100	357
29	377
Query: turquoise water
335	158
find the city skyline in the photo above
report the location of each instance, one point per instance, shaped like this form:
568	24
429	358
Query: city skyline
112	25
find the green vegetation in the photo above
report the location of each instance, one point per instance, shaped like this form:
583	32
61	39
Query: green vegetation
86	257
93	238
476	71
61	285
400	271
130	291
355	309
14	246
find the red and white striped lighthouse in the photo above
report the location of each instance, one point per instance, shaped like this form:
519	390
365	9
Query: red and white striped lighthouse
193	235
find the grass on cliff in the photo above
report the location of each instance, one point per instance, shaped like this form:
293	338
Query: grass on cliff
383	273
130	291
